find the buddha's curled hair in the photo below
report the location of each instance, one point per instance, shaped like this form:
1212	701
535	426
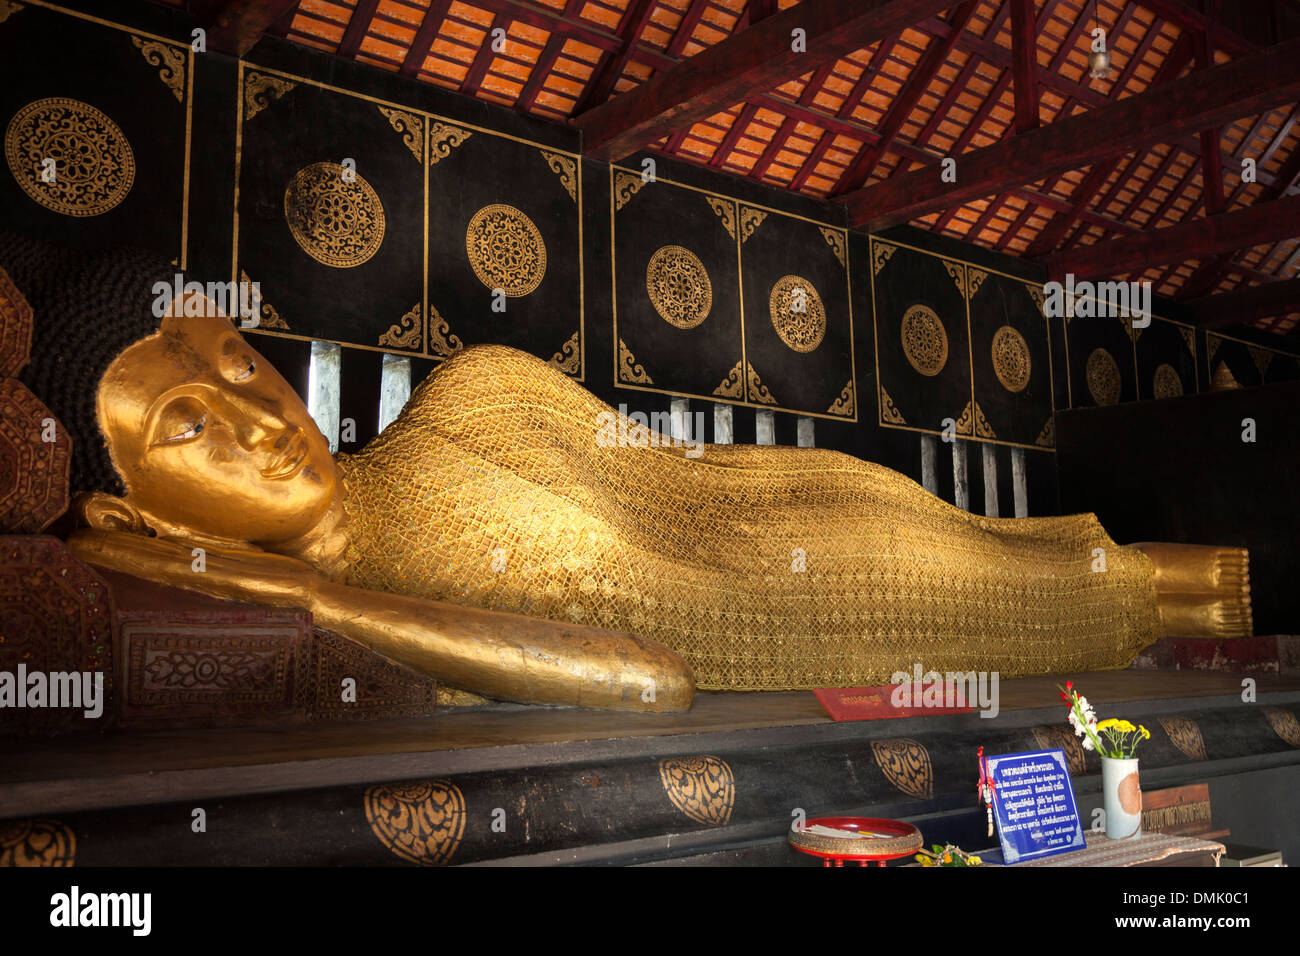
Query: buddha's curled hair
88	305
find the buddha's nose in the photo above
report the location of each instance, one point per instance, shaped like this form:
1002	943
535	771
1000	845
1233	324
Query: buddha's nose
254	419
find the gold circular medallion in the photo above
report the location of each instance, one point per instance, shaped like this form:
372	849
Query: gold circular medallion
1011	362
92	166
1103	377
797	313
1166	383
505	250
679	287
925	343
335	216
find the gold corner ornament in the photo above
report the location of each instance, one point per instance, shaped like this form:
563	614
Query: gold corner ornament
703	787
410	126
628	369
750	220
1166	382
966	420
92	162
725	209
406	333
733	386
442	342
756	390
844	405
1102	375
835	239
958	272
37	843
505	250
1185	734
267	316
8	8
889	413
566	169
626	185
906	764
1047	437
1212	343
678	286
1189	337
420	822
924	340
334	215
797	313
974	278
1133	331
881	252
443	138
1011	359
982	427
261	90
1036	293
169	60
569	359
1263	358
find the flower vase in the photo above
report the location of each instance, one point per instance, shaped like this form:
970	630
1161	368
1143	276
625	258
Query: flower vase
1121	797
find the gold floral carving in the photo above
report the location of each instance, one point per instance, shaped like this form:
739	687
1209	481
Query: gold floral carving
925	342
628	369
443	138
37	842
906	764
94	167
1185	735
569	358
801	329
1212	343
844	405
750	220
626	185
441	340
1102	373
1189	336
420	822
982	427
1062	738
888	411
679	287
410	126
881	253
170	62
1047	437
406	333
726	211
261	90
1036	293
958	272
1284	724
966	420
974	277
8	8
703	788
505	250
758	392
1011	359
267	316
334	215
1166	382
733	386
835	239
566	169
1263	358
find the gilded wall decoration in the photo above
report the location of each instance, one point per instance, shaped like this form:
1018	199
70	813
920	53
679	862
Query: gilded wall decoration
267	316
973	279
703	788
505	250
972	422
421	822
569	358
337	221
15	327
844	405
797	313
261	90
1103	377
881	253
958	272
443	138
1284	724
1047	437
679	287
442	342
94	166
750	220
410	126
1212	343
1133	331
726	211
1011	359
170	62
1263	358
758	392
835	239
733	386
1036	293
626	185
8	8
906	764
1062	738
1166	382
566	169
407	332
1189	336
925	342
888	411
37	842
628	369
1185	735
1223	380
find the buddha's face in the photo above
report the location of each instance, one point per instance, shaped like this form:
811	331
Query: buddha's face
209	438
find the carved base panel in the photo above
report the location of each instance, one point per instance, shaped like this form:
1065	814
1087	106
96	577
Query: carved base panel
1273	655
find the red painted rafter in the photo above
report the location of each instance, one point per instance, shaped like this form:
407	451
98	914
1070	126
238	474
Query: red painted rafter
424	37
1246	305
611	68
483	58
1024	59
362	15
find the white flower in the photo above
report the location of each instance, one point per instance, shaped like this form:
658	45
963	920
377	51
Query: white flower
1087	743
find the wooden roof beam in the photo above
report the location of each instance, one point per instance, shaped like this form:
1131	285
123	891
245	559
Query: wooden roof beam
1246	305
235	26
1024	63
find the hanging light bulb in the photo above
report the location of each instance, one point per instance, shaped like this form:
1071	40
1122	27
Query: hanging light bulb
1099	58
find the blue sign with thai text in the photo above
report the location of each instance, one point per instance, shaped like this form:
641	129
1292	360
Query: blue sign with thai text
1034	805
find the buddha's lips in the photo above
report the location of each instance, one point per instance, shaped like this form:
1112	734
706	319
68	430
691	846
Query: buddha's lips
287	463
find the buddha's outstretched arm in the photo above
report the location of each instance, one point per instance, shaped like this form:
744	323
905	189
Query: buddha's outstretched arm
493	653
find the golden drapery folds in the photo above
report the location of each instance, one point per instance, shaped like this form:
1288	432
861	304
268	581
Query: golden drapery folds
766	568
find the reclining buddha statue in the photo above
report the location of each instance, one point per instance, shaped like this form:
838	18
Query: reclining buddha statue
488	538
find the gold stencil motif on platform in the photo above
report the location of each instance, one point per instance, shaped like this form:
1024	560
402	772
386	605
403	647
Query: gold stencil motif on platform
678	286
69	157
1052	737
750	220
1185	735
906	764
703	788
421	822
797	313
441	340
334	215
1284	724
505	250
37	842
925	341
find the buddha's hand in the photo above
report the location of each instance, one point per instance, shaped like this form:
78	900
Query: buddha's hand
257	577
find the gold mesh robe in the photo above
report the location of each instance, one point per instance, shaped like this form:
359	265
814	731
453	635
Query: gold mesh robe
492	490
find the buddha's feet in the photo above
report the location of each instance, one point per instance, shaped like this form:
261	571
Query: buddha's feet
1201	590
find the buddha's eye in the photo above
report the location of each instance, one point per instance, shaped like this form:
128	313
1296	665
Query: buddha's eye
237	364
248	371
181	420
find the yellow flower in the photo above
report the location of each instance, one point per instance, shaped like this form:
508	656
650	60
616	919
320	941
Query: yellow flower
1146	734
1112	723
1108	724
973	861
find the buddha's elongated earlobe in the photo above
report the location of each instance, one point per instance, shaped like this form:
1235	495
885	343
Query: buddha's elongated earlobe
105	512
